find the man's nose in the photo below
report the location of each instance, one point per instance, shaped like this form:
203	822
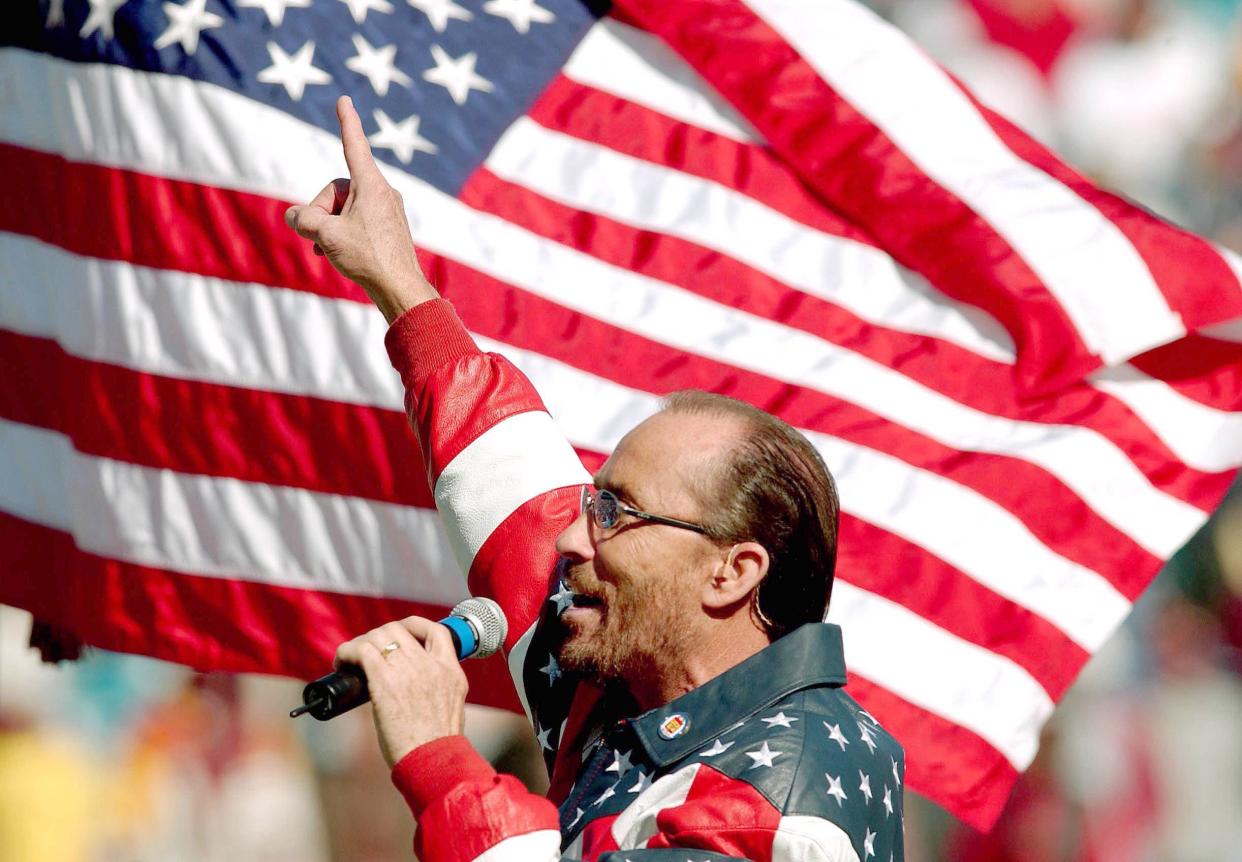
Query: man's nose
574	542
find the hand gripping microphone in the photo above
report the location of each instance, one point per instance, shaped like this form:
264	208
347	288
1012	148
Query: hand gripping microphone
478	628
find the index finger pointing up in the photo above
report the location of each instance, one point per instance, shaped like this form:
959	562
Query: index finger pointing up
358	156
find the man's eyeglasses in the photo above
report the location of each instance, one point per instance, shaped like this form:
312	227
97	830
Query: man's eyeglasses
605	509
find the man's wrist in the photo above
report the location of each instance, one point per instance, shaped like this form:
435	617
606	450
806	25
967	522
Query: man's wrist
396	297
431	771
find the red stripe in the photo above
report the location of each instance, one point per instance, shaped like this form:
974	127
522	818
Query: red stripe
597	837
1207	370
944	761
201	229
209	623
721	814
1192	275
639	131
884	564
939	365
857	169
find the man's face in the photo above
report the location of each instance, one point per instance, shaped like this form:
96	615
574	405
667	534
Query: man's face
640	584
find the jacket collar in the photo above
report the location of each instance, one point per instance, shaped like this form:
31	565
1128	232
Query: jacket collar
808	656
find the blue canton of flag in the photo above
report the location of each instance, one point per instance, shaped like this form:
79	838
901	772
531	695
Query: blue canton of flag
435	82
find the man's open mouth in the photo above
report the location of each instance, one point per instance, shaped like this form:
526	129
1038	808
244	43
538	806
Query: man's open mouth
581	600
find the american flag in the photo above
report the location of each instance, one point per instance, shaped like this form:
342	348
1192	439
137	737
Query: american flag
1028	389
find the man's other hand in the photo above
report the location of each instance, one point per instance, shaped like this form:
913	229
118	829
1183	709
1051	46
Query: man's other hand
418	689
359	224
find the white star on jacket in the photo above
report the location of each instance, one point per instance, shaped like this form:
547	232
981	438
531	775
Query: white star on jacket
377	64
718	747
865	733
55	13
896	775
274	9
888	800
439	12
644	781
359	8
456	76
835	734
865	784
542	736
185	23
100	18
293	73
869	844
780	718
520	13
551	669
763	757
835	789
620	763
563	597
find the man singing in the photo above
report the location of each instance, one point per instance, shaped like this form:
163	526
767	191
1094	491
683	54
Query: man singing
665	617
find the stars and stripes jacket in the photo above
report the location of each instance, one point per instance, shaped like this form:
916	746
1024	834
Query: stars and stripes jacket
771	760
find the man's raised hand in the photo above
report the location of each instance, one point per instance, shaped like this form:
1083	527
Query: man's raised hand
359	224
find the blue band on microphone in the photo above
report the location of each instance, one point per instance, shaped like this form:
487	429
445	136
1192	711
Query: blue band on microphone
466	641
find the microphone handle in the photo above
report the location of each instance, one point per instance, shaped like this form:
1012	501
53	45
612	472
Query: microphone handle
346	687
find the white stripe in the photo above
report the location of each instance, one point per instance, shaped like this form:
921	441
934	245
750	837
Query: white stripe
852	275
1200	436
1230	330
541	846
955	679
925	508
801	838
1080	256
640	68
636	825
195	327
225	528
86	129
517	459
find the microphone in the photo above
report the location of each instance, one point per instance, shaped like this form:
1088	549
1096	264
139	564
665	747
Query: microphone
477	626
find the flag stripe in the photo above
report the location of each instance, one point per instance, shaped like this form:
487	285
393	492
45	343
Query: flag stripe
332	453
205	622
1078	255
881	506
201	151
225	528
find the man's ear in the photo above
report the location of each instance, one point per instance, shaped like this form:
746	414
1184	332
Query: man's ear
737	575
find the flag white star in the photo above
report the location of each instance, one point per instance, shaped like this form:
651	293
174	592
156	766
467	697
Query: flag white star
577	817
185	23
865	733
896	775
642	784
542	736
563	597
780	718
456	76
620	762
404	140
868	716
359	8
552	670
377	64
55	14
274	9
100	17
835	734
519	13
864	784
293	73
888	800
835	790
718	747
439	12
868	844
763	757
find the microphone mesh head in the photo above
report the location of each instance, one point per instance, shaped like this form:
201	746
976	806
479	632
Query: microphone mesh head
488	621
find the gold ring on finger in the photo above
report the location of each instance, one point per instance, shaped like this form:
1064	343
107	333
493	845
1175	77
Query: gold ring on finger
389	648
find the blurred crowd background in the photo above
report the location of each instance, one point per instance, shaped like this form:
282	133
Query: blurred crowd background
125	759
